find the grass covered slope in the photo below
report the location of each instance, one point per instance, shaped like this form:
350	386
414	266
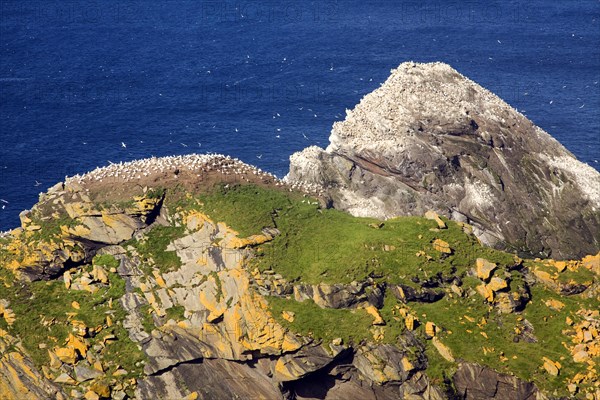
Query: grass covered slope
52	318
326	246
536	319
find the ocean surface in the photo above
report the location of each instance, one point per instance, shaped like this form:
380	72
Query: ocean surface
85	83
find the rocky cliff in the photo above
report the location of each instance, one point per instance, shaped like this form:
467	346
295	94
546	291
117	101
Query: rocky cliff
209	279
201	277
429	138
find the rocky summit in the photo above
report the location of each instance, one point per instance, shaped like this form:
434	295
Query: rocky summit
429	138
201	277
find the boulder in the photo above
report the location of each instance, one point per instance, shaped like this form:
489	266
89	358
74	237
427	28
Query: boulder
350	295
405	293
484	268
431	139
309	359
442	349
383	363
419	387
432	215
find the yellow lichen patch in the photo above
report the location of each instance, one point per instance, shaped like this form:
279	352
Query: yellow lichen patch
444	350
240	243
143	204
560	265
77	344
410	322
551	367
66	355
554	304
79	328
496	284
484	268
442	246
378	333
377	319
430	329
592	263
407	366
290	343
468	318
7	313
192	396
101	388
99	274
288	315
67	279
586	345
485	292
194	220
159	279
77	231
544	277
432	215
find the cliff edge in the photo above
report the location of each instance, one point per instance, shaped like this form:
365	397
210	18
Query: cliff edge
429	138
201	277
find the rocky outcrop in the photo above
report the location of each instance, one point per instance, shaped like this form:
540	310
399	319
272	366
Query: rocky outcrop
66	228
19	378
153	300
212	379
431	139
474	382
351	295
386	363
405	293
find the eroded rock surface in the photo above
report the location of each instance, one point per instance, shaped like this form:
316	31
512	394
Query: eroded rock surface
474	382
429	138
19	379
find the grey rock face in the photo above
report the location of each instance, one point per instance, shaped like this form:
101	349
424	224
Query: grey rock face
474	382
211	379
341	296
429	138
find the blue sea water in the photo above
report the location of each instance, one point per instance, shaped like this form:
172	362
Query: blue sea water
259	79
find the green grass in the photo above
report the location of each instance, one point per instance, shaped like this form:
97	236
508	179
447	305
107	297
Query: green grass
246	208
548	325
147	321
329	246
219	294
154	247
52	301
155	193
323	324
105	260
333	247
175	313
51	228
